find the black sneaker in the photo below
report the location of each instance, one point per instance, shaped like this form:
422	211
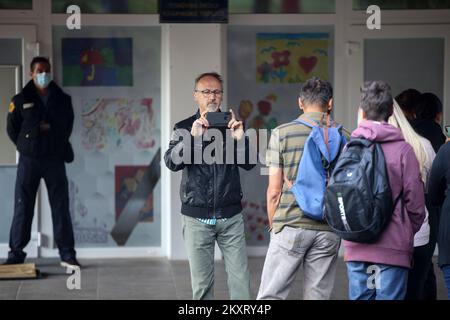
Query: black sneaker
70	263
14	260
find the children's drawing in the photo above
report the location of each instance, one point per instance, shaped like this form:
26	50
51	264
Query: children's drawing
97	61
256	222
291	57
118	123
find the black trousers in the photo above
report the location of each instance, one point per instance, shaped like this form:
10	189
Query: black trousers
29	173
421	278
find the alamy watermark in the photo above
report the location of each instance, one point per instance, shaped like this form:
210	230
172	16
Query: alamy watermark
74	281
215	147
73	22
374	20
374	280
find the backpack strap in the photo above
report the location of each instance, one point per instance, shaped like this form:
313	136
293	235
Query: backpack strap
360	141
325	132
311	124
325	138
307	122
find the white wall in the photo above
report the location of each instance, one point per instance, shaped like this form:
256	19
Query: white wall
188	51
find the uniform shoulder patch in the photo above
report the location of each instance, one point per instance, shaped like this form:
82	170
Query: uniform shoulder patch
12	106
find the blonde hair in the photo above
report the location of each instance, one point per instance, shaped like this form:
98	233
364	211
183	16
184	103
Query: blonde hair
398	120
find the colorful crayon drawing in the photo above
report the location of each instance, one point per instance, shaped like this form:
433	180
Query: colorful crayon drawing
97	62
118	122
291	57
263	118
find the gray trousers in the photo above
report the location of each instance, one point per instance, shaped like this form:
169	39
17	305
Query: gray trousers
288	250
200	241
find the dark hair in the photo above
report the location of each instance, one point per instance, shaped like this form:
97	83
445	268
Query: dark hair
376	100
316	91
407	100
428	106
209	74
37	60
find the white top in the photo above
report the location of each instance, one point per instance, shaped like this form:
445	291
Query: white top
422	237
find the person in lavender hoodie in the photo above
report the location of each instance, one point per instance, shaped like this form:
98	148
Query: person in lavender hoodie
379	270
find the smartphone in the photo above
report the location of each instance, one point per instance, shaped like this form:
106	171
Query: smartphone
218	119
447	131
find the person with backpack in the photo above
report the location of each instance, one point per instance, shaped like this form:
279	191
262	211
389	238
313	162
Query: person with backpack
378	267
300	157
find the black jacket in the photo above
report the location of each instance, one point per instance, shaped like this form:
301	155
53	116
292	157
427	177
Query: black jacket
439	195
27	112
207	190
429	129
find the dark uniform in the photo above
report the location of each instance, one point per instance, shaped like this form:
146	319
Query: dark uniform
42	155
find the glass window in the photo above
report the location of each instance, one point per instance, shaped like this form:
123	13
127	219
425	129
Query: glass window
281	6
109	6
12	56
16	4
421	68
7	178
10	77
402	4
114	77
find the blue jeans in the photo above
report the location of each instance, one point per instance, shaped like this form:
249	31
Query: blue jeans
370	281
446	271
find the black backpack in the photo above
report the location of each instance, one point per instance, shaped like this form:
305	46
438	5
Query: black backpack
358	200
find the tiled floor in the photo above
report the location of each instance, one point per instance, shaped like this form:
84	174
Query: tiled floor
144	279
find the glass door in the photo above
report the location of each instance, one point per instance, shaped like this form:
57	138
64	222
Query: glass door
405	56
14	64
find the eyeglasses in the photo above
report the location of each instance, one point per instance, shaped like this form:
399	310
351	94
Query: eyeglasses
208	92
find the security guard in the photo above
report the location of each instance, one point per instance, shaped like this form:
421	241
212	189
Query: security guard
40	122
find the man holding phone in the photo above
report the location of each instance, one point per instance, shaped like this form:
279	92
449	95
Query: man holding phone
211	192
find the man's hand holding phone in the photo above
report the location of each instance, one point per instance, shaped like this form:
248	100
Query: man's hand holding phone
199	126
217	120
237	127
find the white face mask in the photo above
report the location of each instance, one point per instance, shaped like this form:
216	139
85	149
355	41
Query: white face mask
43	79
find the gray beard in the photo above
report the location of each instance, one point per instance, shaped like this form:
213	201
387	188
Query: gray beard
213	107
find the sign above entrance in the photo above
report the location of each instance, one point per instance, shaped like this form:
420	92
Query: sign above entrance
193	11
